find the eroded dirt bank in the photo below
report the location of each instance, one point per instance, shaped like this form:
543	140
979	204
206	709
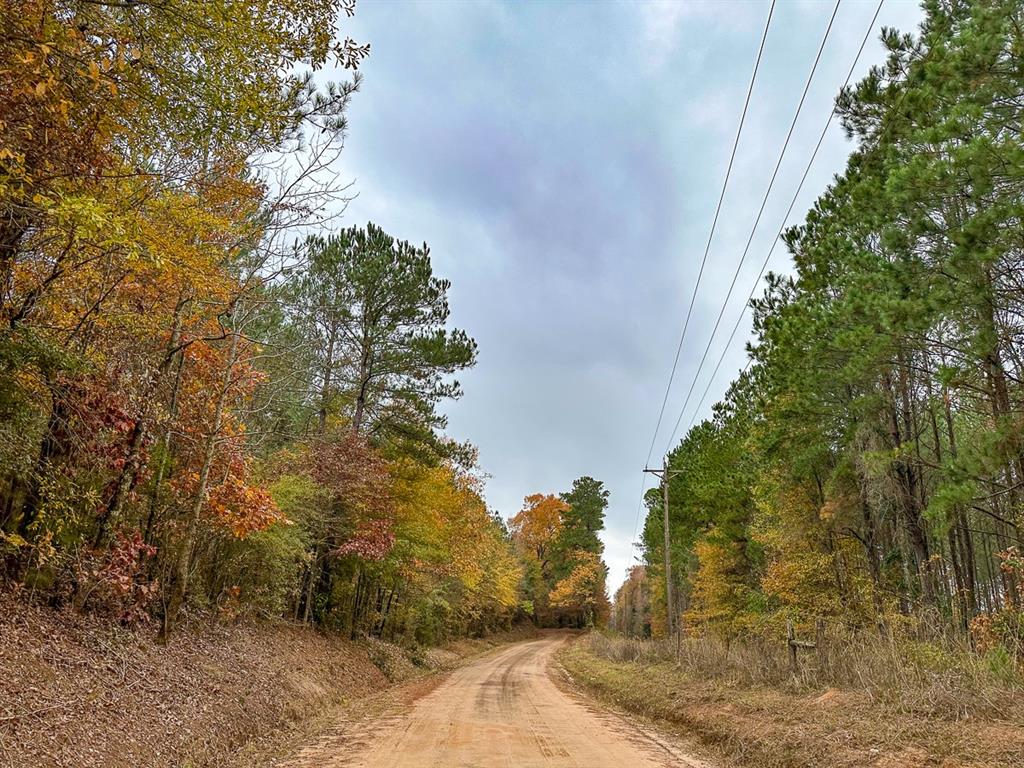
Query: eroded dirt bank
78	693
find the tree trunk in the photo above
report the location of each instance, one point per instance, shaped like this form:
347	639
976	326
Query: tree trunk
180	573
873	558
364	383
165	449
49	449
325	391
909	500
140	431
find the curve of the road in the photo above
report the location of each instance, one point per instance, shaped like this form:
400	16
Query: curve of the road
504	710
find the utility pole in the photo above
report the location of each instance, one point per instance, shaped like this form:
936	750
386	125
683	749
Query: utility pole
665	474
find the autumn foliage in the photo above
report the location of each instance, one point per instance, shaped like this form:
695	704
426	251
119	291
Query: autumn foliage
557	538
190	421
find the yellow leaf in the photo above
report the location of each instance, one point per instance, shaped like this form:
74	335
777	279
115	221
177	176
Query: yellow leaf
13	539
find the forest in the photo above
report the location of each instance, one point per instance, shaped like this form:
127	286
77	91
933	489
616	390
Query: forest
215	398
236	525
866	470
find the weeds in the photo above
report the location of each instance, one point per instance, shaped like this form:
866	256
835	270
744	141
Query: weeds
910	676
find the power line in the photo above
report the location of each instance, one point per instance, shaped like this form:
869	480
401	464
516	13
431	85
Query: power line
711	234
703	263
760	213
764	265
782	226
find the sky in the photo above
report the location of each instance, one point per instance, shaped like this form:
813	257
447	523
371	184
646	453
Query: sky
563	161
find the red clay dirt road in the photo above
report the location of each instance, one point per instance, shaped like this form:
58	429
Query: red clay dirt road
500	711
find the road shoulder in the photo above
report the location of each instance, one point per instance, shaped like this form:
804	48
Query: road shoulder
767	728
683	749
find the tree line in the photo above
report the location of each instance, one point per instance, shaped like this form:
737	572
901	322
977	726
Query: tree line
868	466
212	397
631	608
557	539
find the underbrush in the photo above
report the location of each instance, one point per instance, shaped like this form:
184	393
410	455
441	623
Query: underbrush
905	675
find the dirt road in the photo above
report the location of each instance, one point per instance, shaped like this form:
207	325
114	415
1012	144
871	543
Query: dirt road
501	710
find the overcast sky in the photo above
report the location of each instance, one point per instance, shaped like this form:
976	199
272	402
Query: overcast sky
563	161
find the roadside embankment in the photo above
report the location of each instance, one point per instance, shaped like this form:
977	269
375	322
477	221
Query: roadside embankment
77	692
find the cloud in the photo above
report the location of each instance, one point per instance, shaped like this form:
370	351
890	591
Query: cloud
563	161
662	20
695	33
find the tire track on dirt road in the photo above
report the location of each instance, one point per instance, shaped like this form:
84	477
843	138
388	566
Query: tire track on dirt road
500	711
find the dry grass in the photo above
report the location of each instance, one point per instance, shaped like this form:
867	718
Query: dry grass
903	676
854	708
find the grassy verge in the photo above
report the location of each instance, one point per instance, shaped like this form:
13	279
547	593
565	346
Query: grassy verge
756	725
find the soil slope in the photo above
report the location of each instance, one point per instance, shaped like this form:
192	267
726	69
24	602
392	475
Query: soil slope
75	691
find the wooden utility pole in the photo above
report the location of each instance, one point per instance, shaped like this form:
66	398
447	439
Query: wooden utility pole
665	474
